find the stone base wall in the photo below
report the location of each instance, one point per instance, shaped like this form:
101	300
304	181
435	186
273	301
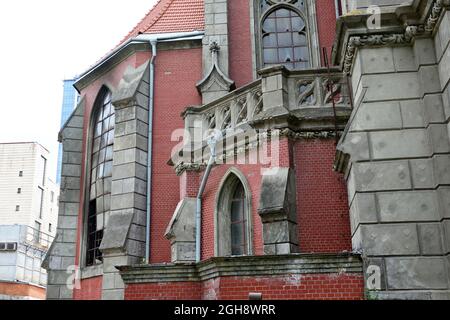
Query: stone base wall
296	276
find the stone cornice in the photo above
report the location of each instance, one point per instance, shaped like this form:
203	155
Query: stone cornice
394	33
181	167
246	266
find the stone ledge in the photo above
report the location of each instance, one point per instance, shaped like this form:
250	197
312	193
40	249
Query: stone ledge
249	266
92	271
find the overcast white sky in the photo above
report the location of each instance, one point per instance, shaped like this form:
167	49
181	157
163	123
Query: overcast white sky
44	42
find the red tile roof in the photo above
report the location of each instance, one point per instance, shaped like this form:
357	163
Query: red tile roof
171	16
168	16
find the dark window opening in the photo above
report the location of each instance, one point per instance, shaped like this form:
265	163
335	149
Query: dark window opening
20	173
19	190
94	256
238	222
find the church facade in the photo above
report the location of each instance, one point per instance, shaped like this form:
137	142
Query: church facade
261	149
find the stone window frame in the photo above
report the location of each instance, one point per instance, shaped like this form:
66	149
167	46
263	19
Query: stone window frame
86	269
256	21
222	229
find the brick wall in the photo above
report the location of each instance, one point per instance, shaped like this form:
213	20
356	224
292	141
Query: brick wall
323	213
326	24
164	291
253	176
177	72
91	289
314	287
240	45
21	290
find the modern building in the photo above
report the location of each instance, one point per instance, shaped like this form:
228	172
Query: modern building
70	101
28	219
311	159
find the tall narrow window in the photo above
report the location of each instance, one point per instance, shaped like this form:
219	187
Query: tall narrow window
101	174
238	222
284	34
233	216
20	173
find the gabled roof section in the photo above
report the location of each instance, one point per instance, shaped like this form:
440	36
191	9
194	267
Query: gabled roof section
171	16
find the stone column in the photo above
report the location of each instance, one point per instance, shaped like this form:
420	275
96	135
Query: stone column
399	150
61	255
124	236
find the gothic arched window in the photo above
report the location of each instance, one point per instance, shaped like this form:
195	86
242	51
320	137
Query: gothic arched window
100	174
284	37
233	222
238	222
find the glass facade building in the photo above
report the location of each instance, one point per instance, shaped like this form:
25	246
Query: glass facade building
70	100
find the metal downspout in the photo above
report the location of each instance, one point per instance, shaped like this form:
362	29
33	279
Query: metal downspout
198	212
153	44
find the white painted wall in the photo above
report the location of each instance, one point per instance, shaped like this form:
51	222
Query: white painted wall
26	157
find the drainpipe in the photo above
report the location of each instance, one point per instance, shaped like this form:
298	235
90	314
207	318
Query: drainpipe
153	44
153	41
198	212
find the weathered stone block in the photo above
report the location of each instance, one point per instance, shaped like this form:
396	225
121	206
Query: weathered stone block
377	116
416	273
357	145
400	144
442	169
413	114
430	237
429	79
377	60
397	86
439	138
424	52
389	240
422	173
404	59
379	176
434	108
363	210
408	206
116	232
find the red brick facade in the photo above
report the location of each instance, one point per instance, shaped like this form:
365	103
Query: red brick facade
322	209
90	289
304	287
323	215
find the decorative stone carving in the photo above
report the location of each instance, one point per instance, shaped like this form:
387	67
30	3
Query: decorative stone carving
411	32
216	83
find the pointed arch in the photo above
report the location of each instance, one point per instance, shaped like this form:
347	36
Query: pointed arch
233	225
99	164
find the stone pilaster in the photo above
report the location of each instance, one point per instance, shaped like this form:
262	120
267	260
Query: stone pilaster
124	236
215	82
398	144
60	259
